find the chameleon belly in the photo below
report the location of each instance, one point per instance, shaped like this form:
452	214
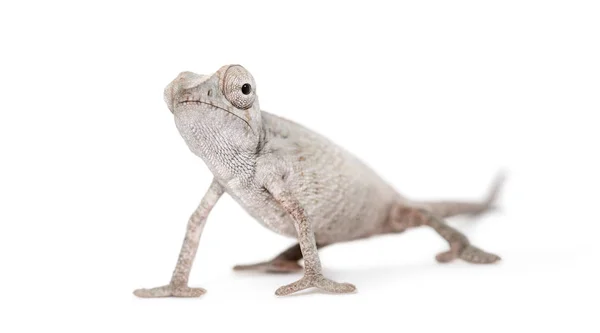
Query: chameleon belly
343	198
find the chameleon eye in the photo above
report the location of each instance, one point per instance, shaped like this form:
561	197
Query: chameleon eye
246	88
238	87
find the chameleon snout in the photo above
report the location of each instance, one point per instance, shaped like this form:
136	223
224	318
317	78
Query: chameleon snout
181	86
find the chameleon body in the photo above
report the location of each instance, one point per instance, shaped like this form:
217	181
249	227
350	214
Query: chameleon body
293	181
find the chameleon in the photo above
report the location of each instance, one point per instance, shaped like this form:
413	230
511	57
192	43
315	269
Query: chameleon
294	182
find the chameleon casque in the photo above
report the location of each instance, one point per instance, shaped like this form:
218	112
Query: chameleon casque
293	181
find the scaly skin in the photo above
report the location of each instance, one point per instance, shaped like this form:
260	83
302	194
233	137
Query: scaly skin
293	181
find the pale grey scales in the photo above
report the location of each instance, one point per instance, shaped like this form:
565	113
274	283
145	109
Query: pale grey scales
293	181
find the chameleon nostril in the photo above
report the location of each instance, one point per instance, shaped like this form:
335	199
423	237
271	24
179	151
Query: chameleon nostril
209	93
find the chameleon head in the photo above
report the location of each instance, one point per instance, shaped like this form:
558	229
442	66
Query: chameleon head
224	101
223	104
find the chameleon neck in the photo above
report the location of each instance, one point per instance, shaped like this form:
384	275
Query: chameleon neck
226	156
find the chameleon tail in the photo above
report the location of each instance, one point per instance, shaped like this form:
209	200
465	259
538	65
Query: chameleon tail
453	208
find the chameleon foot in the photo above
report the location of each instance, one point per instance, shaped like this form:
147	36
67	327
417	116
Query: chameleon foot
317	281
470	254
273	266
169	291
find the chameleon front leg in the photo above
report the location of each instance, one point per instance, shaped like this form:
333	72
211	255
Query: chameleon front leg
285	262
178	287
313	276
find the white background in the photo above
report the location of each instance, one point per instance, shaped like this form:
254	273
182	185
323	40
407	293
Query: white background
96	184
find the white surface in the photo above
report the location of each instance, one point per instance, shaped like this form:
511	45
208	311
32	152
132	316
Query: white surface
96	185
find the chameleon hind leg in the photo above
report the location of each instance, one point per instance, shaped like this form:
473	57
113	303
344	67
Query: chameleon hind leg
285	262
405	216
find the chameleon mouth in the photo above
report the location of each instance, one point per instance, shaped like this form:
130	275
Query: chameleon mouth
198	102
